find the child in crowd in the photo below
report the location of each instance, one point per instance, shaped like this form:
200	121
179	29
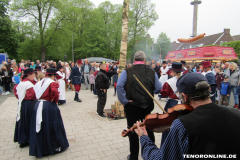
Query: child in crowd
225	91
92	80
15	78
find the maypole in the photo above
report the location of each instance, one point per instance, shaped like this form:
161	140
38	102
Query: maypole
118	107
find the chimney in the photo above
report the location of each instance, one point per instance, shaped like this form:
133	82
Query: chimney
226	31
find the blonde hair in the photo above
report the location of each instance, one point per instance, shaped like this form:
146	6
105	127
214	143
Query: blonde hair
177	74
234	65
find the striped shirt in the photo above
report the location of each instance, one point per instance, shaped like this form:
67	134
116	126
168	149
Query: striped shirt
174	147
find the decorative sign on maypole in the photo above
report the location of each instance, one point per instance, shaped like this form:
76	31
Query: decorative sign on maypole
118	107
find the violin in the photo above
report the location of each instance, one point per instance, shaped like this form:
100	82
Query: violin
161	122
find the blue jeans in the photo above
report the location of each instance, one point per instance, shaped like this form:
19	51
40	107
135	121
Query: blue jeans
234	90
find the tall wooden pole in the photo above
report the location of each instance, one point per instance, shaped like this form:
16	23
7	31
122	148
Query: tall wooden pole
124	40
123	50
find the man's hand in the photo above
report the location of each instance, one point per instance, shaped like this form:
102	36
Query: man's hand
228	95
104	90
140	131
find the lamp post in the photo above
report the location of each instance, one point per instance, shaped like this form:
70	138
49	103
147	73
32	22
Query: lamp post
72	50
160	53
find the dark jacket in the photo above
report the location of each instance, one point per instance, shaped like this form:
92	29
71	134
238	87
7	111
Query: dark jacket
115	77
225	88
219	79
75	75
7	79
102	81
212	129
89	67
157	69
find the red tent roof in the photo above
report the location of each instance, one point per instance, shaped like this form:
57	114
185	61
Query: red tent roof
203	53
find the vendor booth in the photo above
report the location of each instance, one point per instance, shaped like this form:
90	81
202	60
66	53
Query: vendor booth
197	55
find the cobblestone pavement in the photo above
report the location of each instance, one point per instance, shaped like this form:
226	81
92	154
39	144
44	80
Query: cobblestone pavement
89	136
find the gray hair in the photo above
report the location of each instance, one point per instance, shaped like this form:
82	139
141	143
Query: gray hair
139	56
234	65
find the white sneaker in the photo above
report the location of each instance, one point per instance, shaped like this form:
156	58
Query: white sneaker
7	92
3	94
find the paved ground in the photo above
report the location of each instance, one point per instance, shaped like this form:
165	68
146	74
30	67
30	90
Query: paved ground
90	136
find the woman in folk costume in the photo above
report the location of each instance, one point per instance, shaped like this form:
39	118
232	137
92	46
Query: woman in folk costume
164	73
47	133
26	101
169	90
61	78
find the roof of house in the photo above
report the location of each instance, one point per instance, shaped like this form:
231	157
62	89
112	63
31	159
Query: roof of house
207	40
236	38
175	45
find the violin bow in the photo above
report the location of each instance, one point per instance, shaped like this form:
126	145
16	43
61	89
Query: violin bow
149	93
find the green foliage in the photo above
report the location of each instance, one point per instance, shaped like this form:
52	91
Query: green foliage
235	45
96	31
8	35
164	42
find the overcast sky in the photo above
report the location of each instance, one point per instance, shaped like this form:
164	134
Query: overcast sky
176	17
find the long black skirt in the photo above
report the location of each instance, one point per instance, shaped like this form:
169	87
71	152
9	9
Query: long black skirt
22	127
170	103
52	134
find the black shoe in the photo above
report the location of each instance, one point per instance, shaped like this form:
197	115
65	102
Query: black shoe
78	100
128	157
86	88
23	145
102	115
114	94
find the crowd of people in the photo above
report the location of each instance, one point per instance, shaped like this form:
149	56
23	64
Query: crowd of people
40	88
193	135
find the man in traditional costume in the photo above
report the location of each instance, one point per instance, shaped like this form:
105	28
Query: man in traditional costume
47	133
26	101
169	90
61	78
76	77
207	72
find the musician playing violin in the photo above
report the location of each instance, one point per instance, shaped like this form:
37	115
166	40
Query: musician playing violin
209	129
137	103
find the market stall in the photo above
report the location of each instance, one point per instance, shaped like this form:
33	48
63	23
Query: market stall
195	55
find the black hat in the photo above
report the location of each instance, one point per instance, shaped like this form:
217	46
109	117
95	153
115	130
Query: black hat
226	77
38	68
164	62
186	83
28	71
183	62
59	66
177	67
51	71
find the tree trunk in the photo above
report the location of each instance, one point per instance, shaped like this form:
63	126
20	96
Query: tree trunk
124	41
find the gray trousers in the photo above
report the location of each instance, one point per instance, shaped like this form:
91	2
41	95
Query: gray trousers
86	77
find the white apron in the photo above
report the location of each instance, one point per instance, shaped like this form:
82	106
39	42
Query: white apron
61	88
164	75
21	92
39	89
173	84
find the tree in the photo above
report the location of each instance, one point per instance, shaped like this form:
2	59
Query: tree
141	17
8	35
42	12
235	45
163	44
